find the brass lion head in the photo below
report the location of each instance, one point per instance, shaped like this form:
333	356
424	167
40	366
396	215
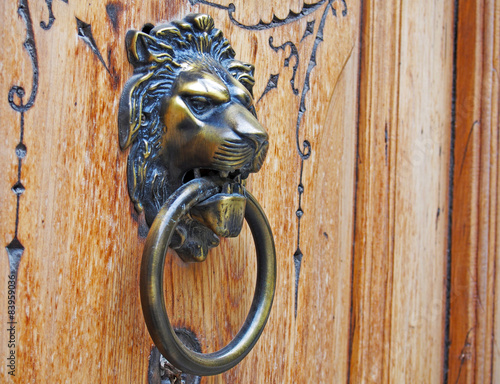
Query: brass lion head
187	112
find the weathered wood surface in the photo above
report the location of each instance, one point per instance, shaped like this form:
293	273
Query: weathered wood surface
474	322
402	210
394	286
78	308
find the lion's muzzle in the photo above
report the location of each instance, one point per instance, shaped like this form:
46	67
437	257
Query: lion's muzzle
245	147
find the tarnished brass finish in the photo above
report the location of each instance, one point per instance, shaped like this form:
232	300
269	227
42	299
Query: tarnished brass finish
223	213
152	292
188	115
187	112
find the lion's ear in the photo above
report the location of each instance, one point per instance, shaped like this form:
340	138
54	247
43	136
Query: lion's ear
137	48
143	49
243	72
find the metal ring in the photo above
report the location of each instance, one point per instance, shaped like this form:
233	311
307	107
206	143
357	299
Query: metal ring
152	292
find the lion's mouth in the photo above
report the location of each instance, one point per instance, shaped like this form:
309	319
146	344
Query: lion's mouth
232	171
234	177
223	212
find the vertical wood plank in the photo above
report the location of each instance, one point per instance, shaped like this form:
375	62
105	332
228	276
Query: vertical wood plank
402	204
474	323
495	186
377	133
421	195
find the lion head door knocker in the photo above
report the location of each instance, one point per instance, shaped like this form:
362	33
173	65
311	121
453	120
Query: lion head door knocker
187	113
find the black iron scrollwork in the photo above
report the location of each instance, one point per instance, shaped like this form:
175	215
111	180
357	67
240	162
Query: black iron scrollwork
293	53
49	24
85	33
307	9
16	98
30	46
15	249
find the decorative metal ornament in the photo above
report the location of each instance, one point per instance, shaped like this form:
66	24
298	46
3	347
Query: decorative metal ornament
187	113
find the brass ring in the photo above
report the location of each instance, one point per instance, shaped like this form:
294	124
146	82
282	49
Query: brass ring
152	292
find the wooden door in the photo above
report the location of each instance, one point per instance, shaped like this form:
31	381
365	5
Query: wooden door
380	185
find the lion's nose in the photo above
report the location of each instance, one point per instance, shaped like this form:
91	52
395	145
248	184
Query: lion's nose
244	123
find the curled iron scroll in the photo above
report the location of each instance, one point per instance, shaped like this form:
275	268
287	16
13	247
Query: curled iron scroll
187	115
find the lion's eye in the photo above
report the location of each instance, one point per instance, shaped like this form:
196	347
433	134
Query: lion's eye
199	104
251	108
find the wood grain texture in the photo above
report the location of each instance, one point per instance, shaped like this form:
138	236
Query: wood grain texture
402	192
78	306
474	321
399	101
